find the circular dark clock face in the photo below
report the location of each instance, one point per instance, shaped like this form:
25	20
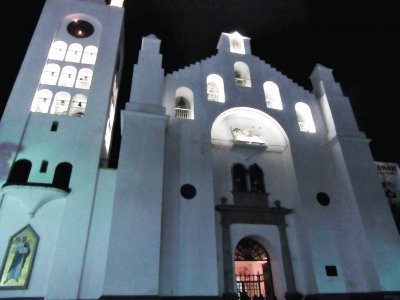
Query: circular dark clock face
80	28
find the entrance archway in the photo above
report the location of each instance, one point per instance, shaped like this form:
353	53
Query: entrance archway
253	271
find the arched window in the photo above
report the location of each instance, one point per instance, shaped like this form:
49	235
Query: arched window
58	50
74	53
256	179
236	43
239	178
50	74
89	55
272	95
42	100
184	103
60	103
19	173
62	176
253	270
250	250
67	77
304	117
215	88
84	78
242	74
78	105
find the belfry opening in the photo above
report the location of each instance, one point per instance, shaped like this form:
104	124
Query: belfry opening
253	271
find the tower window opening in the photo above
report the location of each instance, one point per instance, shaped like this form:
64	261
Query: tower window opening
19	173
242	74
272	95
215	88
304	117
184	103
62	175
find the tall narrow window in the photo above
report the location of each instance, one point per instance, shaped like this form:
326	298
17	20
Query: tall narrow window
272	95
304	117
239	178
54	126
62	175
19	173
242	74
256	179
43	166
215	88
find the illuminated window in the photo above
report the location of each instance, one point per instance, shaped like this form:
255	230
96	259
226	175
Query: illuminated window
184	103
74	53
50	74
67	77
89	55
78	105
304	117
84	78
215	88
242	74
118	3
58	50
60	103
272	95
41	101
236	43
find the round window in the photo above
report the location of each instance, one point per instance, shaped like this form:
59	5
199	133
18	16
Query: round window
80	28
188	191
323	199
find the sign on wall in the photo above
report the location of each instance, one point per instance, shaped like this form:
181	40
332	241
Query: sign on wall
390	176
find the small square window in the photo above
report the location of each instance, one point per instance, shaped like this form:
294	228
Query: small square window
331	271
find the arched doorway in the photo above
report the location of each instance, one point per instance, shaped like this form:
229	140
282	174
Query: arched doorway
253	271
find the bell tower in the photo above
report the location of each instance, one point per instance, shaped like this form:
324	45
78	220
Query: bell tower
55	135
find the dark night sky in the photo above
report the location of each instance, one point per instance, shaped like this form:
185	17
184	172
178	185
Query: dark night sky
358	40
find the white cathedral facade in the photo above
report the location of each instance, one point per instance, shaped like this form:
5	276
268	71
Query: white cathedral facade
231	177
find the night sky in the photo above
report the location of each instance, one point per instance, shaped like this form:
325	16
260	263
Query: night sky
355	39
